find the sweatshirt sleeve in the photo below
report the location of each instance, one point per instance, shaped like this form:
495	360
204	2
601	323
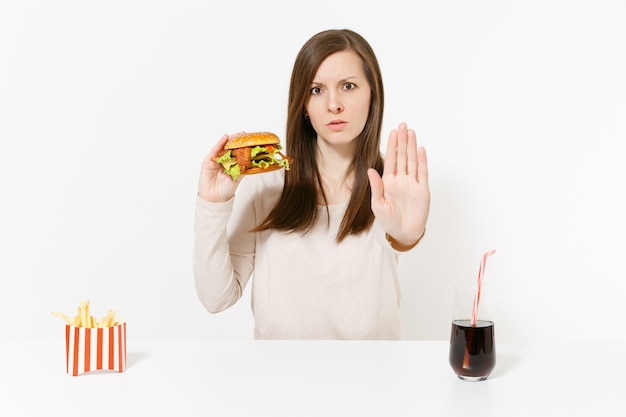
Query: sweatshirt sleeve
220	274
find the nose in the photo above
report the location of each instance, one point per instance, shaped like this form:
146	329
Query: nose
334	105
335	108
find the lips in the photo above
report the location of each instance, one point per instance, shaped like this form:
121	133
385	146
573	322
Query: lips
337	125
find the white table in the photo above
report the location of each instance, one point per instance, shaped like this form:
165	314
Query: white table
310	378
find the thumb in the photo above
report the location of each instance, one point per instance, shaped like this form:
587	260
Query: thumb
376	184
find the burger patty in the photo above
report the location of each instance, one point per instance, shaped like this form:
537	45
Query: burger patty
244	158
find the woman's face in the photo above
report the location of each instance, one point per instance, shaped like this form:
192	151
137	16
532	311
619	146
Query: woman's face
339	99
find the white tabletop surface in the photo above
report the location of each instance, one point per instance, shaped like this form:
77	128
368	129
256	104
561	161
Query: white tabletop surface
314	378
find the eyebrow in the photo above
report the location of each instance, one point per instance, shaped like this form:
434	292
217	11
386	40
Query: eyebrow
343	80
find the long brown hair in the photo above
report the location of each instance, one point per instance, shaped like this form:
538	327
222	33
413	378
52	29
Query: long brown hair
296	209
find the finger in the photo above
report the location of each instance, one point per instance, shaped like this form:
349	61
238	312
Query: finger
411	149
376	185
218	148
209	163
422	166
401	162
390	155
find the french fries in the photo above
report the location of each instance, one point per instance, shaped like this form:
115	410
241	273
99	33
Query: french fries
83	318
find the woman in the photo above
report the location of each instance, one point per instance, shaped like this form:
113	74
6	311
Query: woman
322	238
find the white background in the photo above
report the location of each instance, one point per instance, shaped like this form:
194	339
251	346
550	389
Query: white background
108	108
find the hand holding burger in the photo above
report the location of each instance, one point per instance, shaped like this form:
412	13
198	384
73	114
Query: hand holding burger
252	153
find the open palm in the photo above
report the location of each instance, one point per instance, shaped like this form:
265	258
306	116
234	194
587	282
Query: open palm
401	198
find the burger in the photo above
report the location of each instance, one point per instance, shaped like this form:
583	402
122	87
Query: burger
252	153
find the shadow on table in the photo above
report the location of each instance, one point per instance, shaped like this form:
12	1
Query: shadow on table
504	363
133	358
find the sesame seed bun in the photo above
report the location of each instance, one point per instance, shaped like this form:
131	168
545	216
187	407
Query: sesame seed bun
243	140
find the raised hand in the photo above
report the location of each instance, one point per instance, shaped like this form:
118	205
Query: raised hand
214	185
401	198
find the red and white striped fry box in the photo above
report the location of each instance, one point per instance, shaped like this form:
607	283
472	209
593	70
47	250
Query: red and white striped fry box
98	348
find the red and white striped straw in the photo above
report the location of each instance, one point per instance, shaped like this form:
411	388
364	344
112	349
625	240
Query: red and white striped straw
481	272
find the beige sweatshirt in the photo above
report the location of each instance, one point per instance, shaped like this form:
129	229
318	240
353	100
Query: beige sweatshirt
304	286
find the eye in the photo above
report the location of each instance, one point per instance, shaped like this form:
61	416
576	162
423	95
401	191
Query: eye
349	86
315	90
